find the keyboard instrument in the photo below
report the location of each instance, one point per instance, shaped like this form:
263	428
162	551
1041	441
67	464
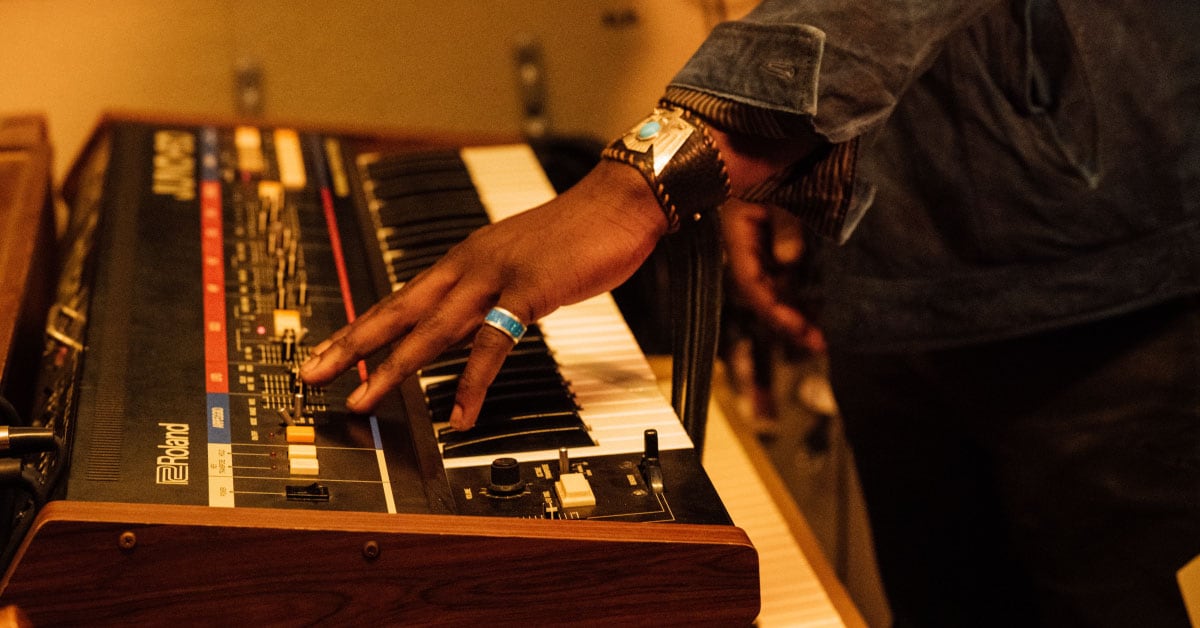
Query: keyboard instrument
200	476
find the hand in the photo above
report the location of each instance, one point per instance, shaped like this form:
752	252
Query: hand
583	243
744	226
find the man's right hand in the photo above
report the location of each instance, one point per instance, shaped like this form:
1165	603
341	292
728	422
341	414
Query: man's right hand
580	244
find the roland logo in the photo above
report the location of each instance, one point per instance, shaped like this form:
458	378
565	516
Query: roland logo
172	461
175	164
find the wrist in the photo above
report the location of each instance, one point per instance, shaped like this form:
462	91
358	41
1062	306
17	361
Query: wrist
679	160
622	198
629	192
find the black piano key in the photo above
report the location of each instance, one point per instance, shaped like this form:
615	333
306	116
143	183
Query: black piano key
433	182
444	390
418	210
450	188
409	266
426	204
505	380
514	362
532	342
407	276
398	255
449	232
409	164
514	393
549	387
405	267
528	433
501	408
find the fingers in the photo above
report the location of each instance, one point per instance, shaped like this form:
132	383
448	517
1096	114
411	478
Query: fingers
394	318
488	351
391	318
744	225
787	237
424	343
343	349
418	343
813	340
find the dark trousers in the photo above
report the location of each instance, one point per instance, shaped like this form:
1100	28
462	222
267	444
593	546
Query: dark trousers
1051	480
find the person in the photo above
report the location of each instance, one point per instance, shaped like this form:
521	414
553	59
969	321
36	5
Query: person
1013	328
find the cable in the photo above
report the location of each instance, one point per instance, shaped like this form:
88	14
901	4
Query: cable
17	441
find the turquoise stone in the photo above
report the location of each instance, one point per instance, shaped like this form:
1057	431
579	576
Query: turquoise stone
649	130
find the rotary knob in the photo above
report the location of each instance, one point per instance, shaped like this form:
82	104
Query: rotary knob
505	478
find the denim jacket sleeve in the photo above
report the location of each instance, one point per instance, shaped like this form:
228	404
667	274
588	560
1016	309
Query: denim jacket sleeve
833	67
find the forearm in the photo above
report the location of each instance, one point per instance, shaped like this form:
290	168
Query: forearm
753	160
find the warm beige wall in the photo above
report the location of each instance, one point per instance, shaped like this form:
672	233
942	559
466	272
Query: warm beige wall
73	59
424	64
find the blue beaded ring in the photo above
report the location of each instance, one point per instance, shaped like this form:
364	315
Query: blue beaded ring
506	322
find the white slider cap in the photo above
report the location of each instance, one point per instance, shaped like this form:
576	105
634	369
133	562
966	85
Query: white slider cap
574	491
304	466
298	450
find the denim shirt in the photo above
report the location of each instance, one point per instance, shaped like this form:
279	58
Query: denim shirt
1028	164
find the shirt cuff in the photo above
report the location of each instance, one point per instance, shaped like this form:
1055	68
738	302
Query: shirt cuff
823	190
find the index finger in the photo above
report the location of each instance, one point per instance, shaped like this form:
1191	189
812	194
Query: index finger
393	317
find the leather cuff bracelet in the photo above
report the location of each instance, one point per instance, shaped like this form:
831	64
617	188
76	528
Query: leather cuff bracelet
674	152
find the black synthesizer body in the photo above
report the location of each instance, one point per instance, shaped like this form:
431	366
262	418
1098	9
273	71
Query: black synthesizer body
212	258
